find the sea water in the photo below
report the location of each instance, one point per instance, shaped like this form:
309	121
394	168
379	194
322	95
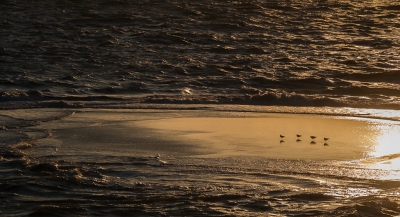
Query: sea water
58	58
298	53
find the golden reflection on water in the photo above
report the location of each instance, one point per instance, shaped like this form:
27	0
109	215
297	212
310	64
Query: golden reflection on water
385	153
388	143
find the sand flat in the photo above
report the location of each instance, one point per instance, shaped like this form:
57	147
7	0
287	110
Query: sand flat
146	132
259	135
225	134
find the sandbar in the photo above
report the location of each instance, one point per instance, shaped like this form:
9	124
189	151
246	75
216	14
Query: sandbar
224	134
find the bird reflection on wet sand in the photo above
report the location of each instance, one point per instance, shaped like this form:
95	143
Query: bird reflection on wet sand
299	140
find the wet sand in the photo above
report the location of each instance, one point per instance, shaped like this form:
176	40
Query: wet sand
225	134
260	135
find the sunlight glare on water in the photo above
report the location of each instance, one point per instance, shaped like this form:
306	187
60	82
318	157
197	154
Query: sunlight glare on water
385	154
388	141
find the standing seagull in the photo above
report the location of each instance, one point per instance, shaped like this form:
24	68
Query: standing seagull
282	136
326	139
298	135
313	137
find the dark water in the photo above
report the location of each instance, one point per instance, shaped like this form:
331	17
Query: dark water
146	53
312	53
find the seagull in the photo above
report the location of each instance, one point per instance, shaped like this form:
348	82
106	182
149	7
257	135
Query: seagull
282	141
313	137
298	135
326	139
312	143
282	136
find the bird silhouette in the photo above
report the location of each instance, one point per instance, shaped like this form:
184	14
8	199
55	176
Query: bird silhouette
326	139
282	136
298	135
312	143
313	137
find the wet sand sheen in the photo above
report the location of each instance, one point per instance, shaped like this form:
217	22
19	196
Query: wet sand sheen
259	135
225	134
